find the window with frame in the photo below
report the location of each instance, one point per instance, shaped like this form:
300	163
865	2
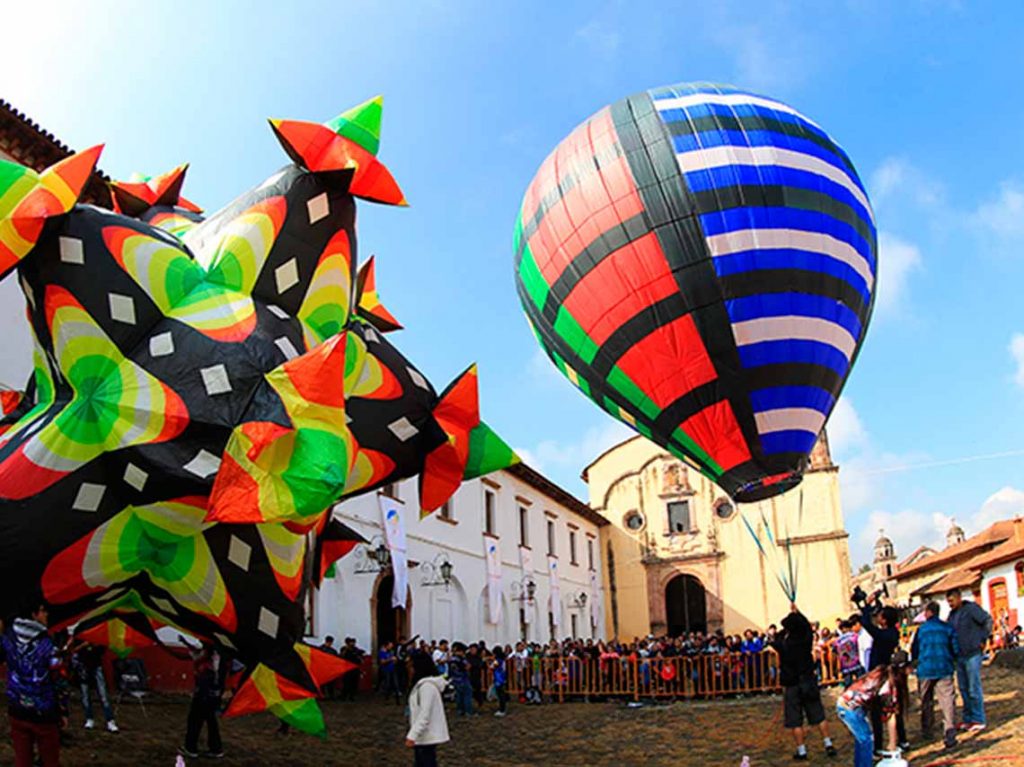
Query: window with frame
574	621
572	549
551	625
489	526
551	538
524	526
679	517
445	511
1019	571
590	553
390	490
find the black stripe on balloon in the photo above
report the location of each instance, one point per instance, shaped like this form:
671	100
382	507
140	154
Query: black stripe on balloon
599	388
777	196
743	284
566	183
584	262
636	328
712	123
674	212
794	374
688	405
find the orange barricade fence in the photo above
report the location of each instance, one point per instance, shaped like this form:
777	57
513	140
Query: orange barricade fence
562	678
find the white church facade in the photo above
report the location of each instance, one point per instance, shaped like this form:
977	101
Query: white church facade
532	523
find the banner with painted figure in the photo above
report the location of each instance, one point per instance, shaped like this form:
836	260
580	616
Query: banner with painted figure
596	599
526	565
555	590
492	555
394	536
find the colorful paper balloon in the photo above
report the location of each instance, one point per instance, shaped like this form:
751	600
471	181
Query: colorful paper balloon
204	392
700	262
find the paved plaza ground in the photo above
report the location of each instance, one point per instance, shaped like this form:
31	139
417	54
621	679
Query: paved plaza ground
596	734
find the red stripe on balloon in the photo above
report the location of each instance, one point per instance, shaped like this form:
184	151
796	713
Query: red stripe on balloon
715	429
620	287
669	362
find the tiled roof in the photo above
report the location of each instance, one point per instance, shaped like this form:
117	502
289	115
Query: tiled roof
1010	549
988	538
914	556
958	579
28	143
538	481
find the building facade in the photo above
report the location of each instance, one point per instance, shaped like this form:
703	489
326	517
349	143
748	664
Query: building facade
515	510
928	577
679	557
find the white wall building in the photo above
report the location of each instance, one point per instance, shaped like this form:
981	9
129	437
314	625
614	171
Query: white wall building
518	511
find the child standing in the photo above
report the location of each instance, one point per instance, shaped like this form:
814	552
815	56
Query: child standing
428	726
500	668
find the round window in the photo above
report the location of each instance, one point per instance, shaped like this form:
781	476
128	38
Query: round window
724	509
633	520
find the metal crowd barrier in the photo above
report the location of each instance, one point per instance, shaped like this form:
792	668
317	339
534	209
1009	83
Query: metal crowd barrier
701	676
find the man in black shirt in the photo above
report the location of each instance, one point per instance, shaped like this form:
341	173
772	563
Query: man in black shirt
800	685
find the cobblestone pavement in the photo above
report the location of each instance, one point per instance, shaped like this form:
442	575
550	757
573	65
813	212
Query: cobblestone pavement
595	734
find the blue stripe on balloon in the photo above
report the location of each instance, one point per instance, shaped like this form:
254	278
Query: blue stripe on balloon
770	175
782	397
790	441
689	142
793	304
739	219
788	258
782	352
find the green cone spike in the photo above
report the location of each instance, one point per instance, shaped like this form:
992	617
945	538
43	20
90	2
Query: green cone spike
361	124
487	452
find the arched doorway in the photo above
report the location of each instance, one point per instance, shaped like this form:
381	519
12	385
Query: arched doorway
685	606
390	622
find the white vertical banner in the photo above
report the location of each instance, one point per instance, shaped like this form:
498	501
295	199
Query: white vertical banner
595	599
526	564
394	536
555	590
493	556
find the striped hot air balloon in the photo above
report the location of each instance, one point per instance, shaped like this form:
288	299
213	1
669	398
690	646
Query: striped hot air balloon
700	261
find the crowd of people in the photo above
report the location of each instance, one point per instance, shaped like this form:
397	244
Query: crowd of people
867	653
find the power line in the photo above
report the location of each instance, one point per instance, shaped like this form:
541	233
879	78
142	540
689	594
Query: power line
946	462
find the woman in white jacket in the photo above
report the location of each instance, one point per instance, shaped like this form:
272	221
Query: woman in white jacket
428	726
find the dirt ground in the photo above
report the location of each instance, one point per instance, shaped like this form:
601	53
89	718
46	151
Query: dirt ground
687	733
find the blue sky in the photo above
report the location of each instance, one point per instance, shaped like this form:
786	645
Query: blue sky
925	97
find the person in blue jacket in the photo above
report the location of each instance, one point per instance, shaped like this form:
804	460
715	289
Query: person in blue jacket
934	651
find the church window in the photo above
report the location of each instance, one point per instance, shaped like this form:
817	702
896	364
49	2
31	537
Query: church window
633	520
679	517
724	509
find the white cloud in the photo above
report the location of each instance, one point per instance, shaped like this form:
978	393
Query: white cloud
897	261
600	37
845	429
759	62
1005	503
1017	353
565	459
1003	216
907	529
897	178
898	175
